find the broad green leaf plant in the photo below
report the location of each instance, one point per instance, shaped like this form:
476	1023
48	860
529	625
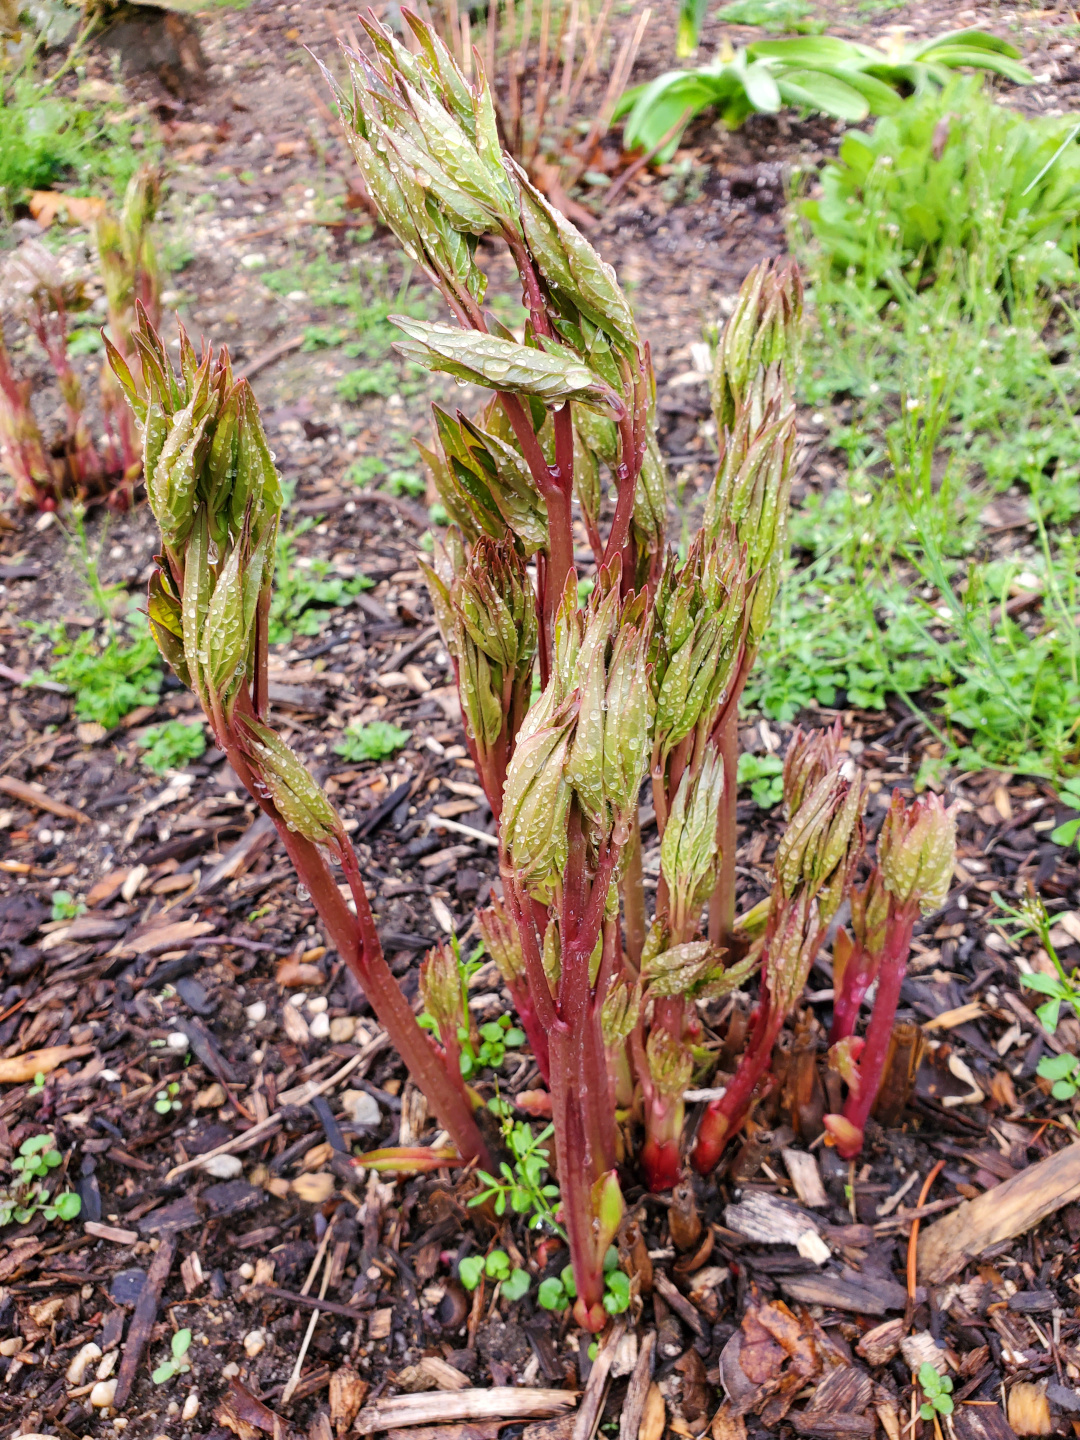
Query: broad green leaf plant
814	74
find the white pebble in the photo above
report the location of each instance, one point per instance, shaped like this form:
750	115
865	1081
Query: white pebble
101	1396
191	1406
320	1026
360	1107
254	1343
107	1364
247	1270
231	1370
178	1041
253	261
317	1004
223	1167
255	1012
79	1361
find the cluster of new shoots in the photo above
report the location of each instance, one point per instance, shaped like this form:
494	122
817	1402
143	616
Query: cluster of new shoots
72	463
637	688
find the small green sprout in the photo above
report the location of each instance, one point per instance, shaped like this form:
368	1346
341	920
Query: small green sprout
170	745
165	1101
371	742
515	1283
557	1291
38	1084
175	1364
764	775
938	1391
1064	1071
1067	831
27	1196
65	906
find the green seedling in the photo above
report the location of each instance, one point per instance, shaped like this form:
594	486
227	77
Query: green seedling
1030	917
166	1101
175	1364
523	1187
515	1282
376	741
27	1197
65	906
938	1391
763	774
363	471
304	586
556	1292
169	745
108	680
1069	794
1064	1071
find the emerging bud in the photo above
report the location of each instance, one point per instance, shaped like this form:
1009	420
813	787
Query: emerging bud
670	1063
501	940
536	802
689	853
610	752
844	1057
822	844
791	943
440	990
916	851
620	1011
810	756
844	1135
764	330
870	913
279	776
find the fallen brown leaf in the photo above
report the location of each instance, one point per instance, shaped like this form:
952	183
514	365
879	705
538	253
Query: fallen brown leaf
17	1069
47	205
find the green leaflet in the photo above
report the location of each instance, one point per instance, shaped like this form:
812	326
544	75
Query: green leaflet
301	802
499	364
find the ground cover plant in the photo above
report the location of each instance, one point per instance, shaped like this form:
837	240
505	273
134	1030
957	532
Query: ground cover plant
948	342
638	683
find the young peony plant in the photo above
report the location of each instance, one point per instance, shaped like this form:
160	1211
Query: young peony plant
638	686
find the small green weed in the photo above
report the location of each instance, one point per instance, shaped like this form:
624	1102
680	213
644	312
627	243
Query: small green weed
1030	917
170	744
406	482
556	1292
795	16
26	1196
176	1362
167	1101
302	587
523	1187
496	1265
377	380
938	1391
107	680
1066	833
65	906
361	472
763	774
376	741
1064	1071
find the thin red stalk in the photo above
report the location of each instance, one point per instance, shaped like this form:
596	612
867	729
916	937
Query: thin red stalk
635	921
724	1117
357	942
577	1174
661	1155
872	1063
859	975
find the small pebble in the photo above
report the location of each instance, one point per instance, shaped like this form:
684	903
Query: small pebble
254	1342
231	1370
101	1396
77	1365
223	1167
342	1029
247	1270
107	1364
317	1004
320	1026
360	1107
255	1012
179	1042
191	1406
